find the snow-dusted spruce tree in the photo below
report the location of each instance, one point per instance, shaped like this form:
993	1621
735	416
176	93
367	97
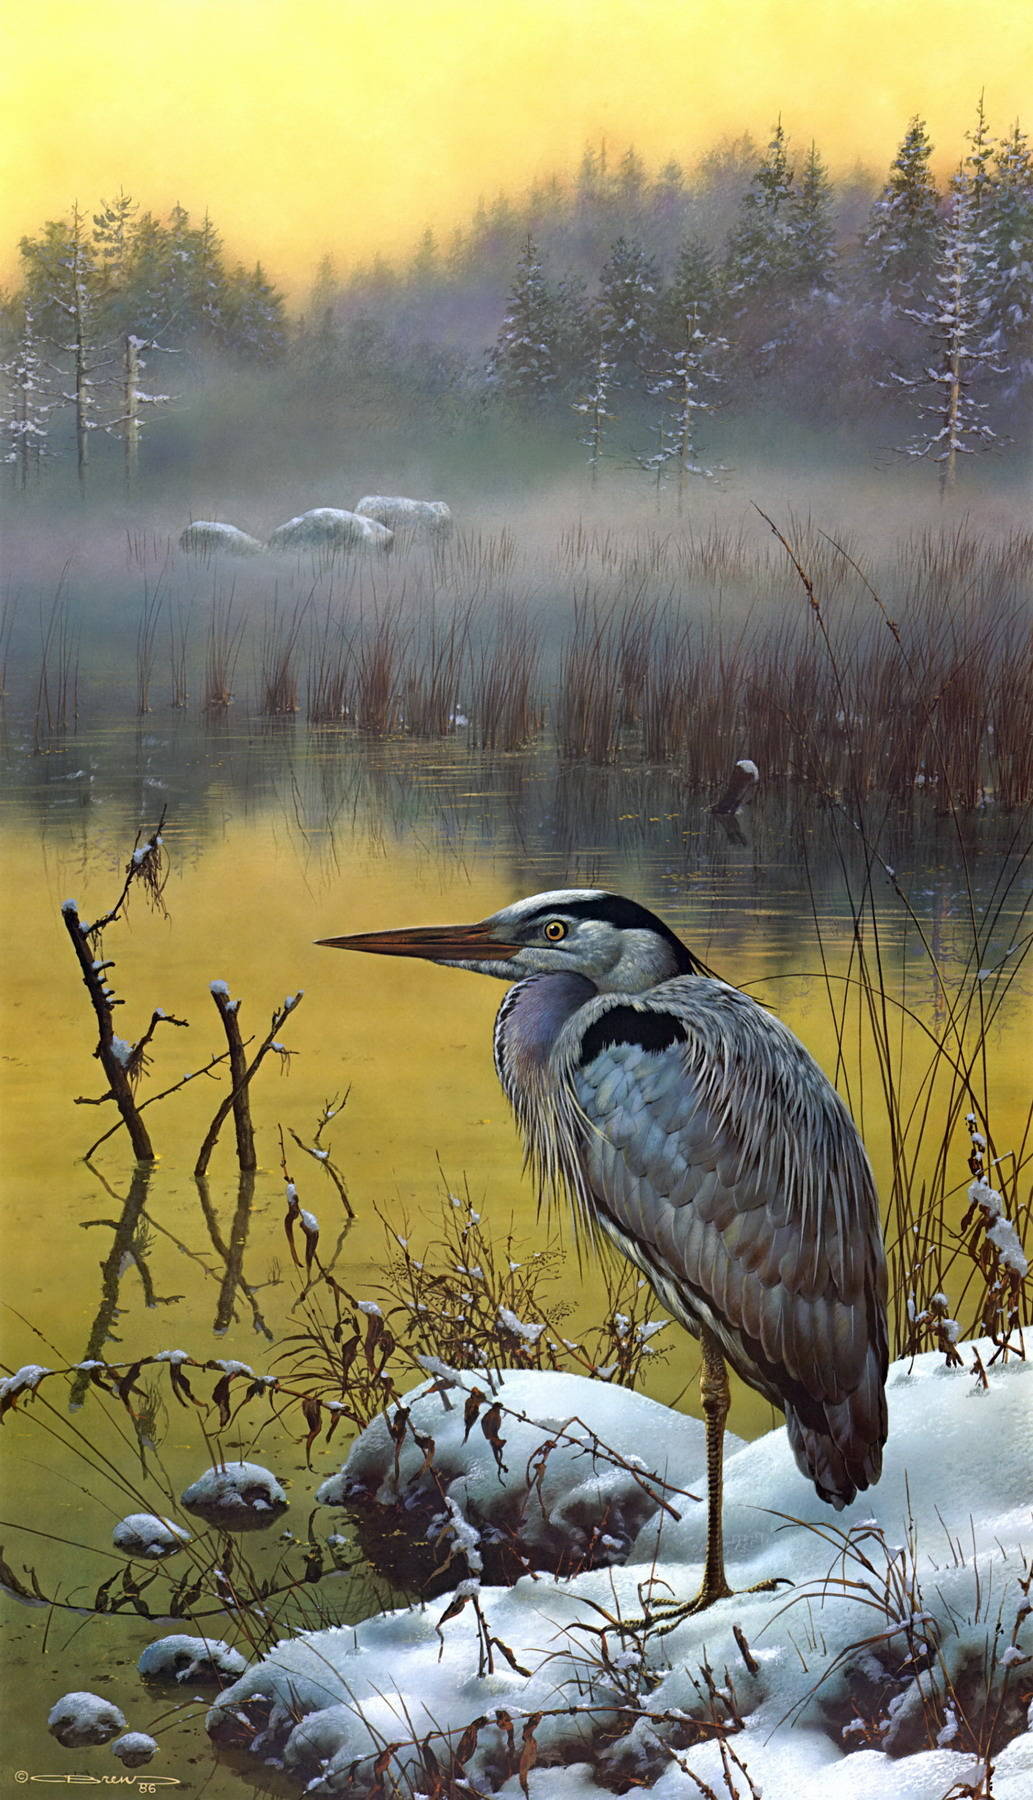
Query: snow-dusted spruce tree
121	299
254	318
62	286
810	242
902	229
689	350
625	312
958	352
523	364
27	405
758	276
1008	217
593	407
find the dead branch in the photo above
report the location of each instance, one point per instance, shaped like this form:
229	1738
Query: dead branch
242	1080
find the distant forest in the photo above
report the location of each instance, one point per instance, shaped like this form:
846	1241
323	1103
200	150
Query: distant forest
622	312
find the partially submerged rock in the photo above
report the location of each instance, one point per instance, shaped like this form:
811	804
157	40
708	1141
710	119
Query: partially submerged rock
330	527
134	1749
148	1536
411	518
80	1718
207	537
236	1496
182	1658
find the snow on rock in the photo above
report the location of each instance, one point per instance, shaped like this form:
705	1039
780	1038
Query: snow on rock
207	536
555	1501
134	1749
410	518
78	1719
899	1617
145	1534
191	1659
329	527
236	1496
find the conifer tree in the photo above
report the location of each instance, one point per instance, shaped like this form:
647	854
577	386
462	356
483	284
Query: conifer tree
28	404
593	407
958	354
626	312
1009	228
810	244
902	228
758	258
61	285
523	363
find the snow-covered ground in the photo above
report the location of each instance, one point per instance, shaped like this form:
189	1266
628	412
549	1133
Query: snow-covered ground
901	1637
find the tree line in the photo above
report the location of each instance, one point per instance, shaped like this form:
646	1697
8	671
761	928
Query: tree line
632	306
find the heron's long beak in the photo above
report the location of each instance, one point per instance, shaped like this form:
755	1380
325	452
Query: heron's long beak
438	943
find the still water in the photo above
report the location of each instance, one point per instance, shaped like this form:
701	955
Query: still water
275	839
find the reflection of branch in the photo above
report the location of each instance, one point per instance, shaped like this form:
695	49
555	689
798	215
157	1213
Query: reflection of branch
123	1251
232	1254
243	1080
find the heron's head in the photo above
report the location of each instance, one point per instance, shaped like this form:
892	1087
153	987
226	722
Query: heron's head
616	944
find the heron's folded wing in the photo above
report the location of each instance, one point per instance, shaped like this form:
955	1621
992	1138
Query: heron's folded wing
719	1149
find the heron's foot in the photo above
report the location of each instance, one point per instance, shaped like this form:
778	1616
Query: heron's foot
664	1616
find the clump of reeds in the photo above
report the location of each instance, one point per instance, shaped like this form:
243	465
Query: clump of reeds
505	711
225	635
430	701
57	683
146	643
380	648
588	702
278	656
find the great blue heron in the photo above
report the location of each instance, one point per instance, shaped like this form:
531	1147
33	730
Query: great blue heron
691	1126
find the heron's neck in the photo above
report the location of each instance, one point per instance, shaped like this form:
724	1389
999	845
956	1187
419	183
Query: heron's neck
530	1019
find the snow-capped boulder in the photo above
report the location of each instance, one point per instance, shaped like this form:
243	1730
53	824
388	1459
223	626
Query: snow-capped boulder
236	1496
209	537
194	1659
900	1642
547	1496
408	518
148	1536
134	1749
329	528
78	1719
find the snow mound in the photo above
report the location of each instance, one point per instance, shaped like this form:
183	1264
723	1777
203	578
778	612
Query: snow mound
194	1659
236	1496
78	1719
899	1650
147	1535
330	526
547	1495
135	1749
206	537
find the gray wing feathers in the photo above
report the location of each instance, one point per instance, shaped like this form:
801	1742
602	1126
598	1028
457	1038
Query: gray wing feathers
728	1167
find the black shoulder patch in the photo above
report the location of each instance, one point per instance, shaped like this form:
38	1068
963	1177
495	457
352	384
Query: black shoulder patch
654	1031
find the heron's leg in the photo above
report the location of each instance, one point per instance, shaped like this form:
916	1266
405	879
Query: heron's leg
713	1387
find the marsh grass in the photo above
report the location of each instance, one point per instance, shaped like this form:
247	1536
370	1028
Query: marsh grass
226	628
57	683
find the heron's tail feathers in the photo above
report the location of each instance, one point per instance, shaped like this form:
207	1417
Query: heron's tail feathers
838	1444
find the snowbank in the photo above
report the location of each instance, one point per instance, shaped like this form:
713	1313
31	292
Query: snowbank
551	1497
236	1496
877	1673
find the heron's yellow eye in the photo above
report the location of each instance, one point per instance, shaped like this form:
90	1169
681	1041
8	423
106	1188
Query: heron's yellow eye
555	930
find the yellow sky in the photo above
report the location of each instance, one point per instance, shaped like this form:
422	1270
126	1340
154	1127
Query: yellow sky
346	125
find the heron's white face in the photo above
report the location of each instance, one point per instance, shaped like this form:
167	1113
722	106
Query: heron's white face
615	943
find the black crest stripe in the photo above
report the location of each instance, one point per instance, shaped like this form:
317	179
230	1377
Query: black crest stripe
652	1031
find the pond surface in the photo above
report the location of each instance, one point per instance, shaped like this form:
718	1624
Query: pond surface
276	838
